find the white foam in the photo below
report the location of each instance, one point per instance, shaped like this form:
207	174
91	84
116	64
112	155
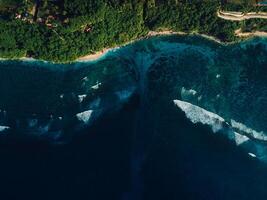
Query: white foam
193	92
84	116
96	86
82	97
251	132
252	155
190	91
4	128
85	78
240	139
197	114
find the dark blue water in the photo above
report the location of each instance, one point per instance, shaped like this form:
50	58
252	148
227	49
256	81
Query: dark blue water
109	129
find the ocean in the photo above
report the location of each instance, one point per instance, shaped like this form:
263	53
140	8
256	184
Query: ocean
173	117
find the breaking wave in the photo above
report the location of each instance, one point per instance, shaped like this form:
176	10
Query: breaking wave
250	140
197	114
200	73
3	128
85	116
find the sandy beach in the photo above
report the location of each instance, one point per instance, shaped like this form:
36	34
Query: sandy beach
97	55
166	32
233	16
22	58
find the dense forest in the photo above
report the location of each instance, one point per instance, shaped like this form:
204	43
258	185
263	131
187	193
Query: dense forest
62	30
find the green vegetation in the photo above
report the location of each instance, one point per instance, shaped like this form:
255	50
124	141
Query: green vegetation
199	17
62	30
9	4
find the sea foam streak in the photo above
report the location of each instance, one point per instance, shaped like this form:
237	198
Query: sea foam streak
82	97
3	128
242	127
85	116
199	115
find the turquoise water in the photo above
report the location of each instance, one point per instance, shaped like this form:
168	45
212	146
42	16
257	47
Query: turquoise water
137	114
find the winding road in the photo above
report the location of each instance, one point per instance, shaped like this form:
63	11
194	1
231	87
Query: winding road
239	16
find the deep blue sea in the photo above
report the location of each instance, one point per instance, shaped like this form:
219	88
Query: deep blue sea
164	118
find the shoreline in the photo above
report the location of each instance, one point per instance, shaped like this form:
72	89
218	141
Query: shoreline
99	54
93	57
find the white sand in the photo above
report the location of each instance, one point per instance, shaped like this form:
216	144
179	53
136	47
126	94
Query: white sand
97	55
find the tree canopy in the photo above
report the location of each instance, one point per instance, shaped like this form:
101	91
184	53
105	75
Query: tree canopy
66	29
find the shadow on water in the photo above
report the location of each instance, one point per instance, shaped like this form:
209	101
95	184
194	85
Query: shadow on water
94	165
182	162
146	150
191	162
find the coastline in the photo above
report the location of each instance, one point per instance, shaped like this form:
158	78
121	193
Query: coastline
27	59
94	56
99	54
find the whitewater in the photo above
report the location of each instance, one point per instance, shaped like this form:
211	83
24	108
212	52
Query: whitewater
210	82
